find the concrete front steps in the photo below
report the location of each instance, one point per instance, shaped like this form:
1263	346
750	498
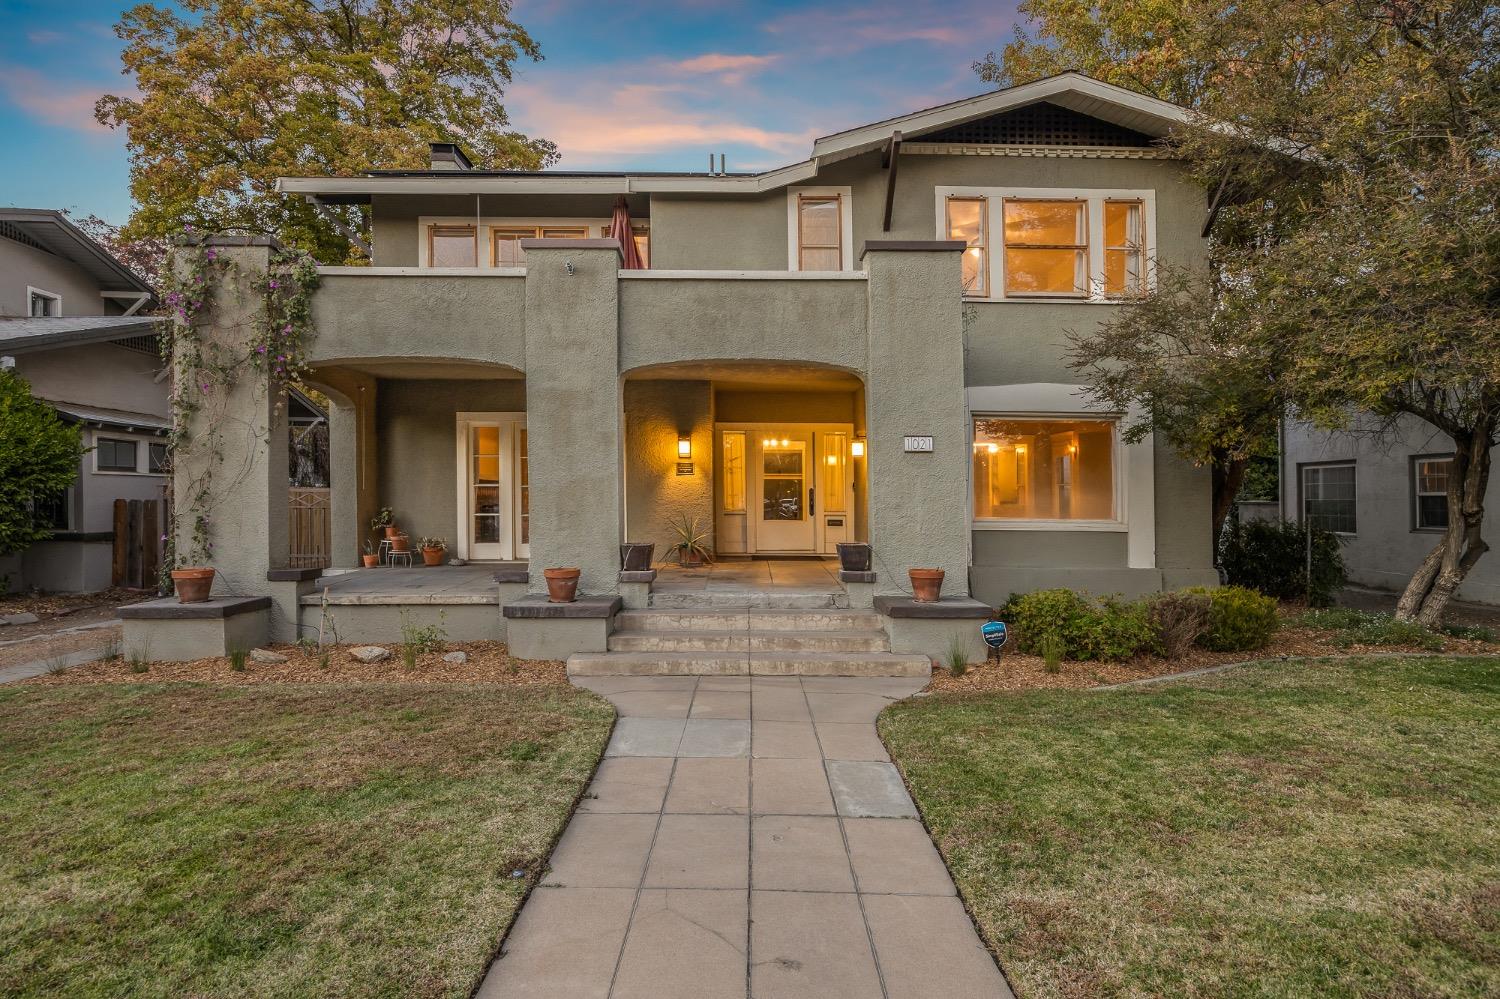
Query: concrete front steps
708	641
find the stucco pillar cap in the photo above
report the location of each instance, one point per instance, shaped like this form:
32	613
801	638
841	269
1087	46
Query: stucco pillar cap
229	239
911	246
607	243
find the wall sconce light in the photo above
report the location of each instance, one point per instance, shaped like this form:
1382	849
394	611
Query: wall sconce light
684	447
857	449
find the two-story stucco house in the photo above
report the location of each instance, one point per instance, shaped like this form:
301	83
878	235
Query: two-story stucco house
867	345
70	325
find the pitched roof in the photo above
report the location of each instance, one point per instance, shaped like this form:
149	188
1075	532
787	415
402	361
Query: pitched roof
51	230
1074	91
22	335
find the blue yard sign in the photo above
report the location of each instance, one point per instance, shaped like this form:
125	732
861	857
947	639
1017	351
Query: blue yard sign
995	633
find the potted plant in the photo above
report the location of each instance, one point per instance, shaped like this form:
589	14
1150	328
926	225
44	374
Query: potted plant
635	556
926	584
192	583
400	541
854	556
432	550
562	585
691	546
371	557
385	521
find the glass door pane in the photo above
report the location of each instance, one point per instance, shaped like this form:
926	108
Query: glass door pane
783	480
523	485
485	504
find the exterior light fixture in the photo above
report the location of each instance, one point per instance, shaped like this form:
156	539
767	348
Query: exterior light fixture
684	447
857	449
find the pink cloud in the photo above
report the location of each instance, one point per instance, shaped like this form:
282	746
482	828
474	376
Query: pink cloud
722	62
614	121
963	24
43	37
51	101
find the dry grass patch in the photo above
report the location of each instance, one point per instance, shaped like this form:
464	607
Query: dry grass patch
277	840
1290	829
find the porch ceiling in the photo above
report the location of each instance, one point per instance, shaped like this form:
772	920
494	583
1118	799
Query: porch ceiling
428	370
758	376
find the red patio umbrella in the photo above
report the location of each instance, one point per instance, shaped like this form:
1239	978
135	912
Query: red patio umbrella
619	228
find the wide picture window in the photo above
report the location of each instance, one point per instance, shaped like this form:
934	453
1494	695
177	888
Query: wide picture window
1044	469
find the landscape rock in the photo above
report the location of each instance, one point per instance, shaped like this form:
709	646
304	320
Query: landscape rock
456	658
267	656
25	618
370	653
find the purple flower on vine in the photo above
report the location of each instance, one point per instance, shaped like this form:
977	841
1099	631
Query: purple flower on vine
287	328
273	284
261	349
211	255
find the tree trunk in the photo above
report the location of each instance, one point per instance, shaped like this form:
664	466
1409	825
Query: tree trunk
1228	474
1445	567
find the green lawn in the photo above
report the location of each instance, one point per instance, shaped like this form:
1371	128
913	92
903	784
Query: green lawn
1294	829
183	839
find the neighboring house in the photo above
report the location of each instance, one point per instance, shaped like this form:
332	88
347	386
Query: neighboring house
70	325
1385	495
869	344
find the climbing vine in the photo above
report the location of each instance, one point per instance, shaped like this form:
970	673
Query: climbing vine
270	348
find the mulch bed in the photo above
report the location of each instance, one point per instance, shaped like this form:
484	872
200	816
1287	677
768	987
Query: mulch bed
489	662
1017	671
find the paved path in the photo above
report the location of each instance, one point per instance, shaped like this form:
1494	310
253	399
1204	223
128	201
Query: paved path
745	837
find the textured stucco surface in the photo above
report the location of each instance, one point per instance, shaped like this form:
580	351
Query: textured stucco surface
23	267
572	356
656	413
917	501
354	463
416	431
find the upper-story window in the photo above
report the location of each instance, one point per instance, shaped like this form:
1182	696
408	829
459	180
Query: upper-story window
1086	245
505	241
452	246
43	304
819	229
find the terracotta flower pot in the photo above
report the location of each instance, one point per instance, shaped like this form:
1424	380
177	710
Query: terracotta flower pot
562	585
400	542
370	561
392	531
926	584
433	556
193	584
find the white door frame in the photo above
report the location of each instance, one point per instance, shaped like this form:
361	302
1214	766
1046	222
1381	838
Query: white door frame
511	425
768	428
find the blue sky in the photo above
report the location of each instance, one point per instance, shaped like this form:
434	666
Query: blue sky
640	85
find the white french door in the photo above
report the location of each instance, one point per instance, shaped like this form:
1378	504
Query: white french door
784	489
494	502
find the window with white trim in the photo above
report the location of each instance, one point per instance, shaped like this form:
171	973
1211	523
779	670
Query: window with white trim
1429	482
820	227
112	454
1045	469
1051	244
1328	497
43	304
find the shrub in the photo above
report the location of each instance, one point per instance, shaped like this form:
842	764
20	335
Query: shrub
1052	654
1110	629
1271	557
1180	619
958	657
1239	619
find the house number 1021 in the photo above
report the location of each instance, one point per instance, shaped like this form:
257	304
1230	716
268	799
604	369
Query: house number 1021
915	445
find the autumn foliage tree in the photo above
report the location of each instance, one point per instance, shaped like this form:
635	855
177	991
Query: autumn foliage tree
1350	146
235	93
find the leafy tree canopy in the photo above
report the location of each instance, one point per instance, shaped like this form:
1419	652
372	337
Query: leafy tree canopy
39	457
235	93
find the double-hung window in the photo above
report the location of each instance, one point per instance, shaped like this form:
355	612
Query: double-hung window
452	246
820	232
1124	248
1429	480
114	455
43	304
1046	248
967	221
1328	497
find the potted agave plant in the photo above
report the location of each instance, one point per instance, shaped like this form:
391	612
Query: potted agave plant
432	550
692	542
371	557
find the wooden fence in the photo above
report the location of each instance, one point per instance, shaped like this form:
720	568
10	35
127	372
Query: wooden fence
138	548
309	528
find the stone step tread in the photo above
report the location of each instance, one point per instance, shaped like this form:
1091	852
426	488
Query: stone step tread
740	619
810	640
777	599
748	664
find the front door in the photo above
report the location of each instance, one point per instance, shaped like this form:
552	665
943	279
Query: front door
494	488
786	493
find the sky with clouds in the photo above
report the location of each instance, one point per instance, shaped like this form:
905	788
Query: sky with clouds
634	85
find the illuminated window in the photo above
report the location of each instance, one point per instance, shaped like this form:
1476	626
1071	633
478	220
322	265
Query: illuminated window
505	241
835	472
733	472
966	221
451	246
1124	248
1046	248
820	228
1044	469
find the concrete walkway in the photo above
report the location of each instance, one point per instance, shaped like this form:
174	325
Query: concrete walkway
745	836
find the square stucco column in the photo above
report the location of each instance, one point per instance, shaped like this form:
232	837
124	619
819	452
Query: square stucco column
246	500
573	410
914	386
